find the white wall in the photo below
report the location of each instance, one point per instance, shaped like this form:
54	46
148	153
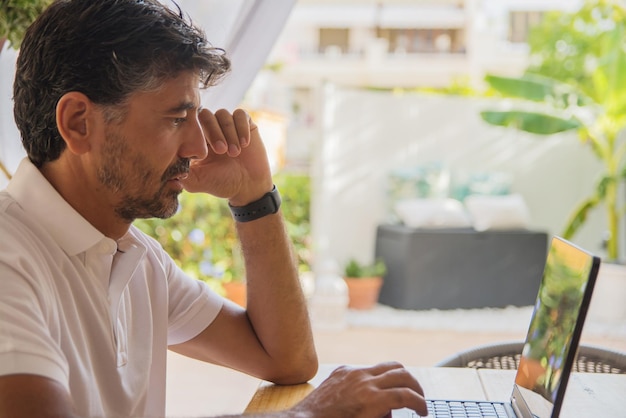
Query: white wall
366	134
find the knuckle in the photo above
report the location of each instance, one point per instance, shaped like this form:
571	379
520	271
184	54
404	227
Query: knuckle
240	113
341	370
220	113
395	364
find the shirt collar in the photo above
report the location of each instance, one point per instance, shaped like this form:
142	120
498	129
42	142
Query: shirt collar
42	202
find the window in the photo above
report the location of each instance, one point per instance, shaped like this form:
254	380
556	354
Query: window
424	40
332	39
520	24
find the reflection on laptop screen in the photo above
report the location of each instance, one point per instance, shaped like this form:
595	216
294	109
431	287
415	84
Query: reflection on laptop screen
555	328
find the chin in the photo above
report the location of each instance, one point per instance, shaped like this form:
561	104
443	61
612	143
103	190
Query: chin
170	209
162	208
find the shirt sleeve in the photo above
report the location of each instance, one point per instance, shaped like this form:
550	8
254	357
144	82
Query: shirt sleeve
192	304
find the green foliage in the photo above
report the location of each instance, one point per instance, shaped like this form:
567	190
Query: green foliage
539	88
201	237
570	46
355	269
295	191
16	16
576	82
533	122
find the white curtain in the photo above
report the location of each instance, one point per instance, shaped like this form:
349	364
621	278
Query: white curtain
11	151
246	29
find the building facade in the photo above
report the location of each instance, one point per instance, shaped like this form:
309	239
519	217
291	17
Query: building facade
407	43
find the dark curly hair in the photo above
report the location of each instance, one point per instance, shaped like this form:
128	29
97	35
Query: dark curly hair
106	49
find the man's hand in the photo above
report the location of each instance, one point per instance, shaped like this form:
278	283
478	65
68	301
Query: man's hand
365	393
237	167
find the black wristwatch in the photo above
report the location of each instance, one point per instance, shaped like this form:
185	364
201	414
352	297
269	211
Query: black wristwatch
268	204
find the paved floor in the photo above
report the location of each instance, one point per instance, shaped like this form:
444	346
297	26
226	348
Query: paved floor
197	389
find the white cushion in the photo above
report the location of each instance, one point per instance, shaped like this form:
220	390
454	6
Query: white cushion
498	212
432	213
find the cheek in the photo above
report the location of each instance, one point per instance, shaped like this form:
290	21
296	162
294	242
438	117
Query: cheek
146	156
139	170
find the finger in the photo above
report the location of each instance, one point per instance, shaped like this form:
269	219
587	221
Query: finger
398	383
386	375
213	132
403	397
399	377
243	124
229	130
384	367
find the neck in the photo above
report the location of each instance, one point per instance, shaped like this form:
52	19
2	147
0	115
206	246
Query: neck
83	192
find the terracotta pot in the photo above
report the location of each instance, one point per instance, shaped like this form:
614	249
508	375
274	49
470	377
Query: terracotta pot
363	291
236	291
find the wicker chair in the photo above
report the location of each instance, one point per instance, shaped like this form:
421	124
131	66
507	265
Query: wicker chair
506	356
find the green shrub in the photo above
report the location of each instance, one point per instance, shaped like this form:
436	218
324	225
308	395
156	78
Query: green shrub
202	238
16	16
295	190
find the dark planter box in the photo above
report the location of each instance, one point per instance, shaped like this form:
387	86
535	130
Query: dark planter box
460	268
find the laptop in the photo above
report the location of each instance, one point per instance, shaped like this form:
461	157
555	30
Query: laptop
551	343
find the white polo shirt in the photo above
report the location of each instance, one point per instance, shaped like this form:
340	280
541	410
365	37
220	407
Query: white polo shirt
94	314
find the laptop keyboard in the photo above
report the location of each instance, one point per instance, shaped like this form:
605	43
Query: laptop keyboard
454	409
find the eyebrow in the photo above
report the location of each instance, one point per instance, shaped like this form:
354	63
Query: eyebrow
182	107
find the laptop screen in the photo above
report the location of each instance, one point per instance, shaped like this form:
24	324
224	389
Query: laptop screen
555	328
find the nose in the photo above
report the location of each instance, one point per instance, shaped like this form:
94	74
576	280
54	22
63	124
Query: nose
194	144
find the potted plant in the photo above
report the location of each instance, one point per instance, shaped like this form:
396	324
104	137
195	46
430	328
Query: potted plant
364	282
576	83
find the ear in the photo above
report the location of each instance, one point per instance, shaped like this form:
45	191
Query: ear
75	121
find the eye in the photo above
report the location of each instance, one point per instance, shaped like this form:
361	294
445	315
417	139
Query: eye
179	121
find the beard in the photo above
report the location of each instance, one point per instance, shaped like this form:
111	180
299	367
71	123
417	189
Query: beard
130	177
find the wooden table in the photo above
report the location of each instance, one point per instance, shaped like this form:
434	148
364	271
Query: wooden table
589	395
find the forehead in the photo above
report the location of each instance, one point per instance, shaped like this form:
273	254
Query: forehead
170	94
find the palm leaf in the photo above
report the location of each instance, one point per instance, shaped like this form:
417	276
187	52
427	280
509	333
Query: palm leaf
579	216
538	88
533	122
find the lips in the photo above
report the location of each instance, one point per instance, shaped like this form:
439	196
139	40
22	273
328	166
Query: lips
179	177
178	171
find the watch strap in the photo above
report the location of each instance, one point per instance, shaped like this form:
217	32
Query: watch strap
266	205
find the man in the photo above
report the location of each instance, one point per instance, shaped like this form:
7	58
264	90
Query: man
107	103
